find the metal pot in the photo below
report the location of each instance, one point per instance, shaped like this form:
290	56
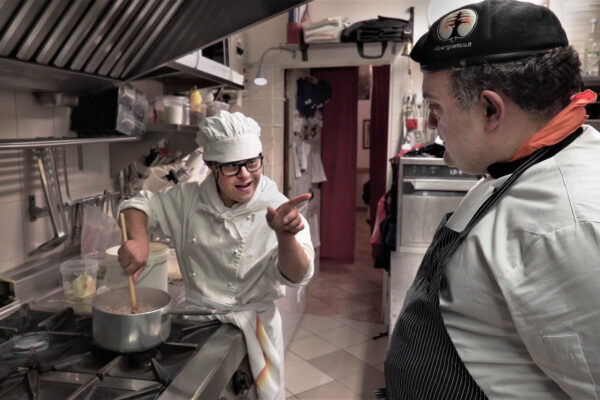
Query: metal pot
128	333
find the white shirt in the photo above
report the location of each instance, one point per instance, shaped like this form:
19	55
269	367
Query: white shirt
523	299
227	255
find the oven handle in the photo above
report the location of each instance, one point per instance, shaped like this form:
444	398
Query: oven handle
454	185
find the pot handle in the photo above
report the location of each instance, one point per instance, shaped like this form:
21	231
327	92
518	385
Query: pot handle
198	311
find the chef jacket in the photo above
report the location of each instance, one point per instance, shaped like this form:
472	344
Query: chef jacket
521	301
227	255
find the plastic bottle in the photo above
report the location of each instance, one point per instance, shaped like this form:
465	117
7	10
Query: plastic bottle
195	106
591	56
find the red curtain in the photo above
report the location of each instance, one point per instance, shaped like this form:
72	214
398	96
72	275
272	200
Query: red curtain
338	152
378	154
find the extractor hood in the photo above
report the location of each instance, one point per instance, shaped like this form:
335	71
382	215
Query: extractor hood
80	46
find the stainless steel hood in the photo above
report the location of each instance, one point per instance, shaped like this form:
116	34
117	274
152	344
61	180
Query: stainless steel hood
86	45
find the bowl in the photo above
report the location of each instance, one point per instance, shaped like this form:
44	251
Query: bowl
79	278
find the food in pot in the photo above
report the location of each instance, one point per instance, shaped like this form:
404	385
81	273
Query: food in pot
126	309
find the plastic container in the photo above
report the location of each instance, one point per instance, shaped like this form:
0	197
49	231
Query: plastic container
97	256
155	275
79	278
214	107
170	109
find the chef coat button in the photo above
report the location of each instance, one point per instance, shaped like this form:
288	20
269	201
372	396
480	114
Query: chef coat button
194	240
194	274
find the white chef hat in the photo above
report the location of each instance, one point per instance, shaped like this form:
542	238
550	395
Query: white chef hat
228	137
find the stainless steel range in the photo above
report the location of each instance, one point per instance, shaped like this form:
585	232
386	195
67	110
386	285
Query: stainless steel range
47	352
47	355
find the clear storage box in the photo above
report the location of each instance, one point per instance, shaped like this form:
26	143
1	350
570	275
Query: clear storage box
79	278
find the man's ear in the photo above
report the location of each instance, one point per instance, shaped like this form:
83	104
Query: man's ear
494	109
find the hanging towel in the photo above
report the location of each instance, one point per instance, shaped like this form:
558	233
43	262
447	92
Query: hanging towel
317	171
301	153
261	325
313	222
265	363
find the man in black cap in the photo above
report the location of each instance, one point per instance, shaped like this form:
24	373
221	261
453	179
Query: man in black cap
506	303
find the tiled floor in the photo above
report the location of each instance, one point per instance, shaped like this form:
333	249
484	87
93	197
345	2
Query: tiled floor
333	354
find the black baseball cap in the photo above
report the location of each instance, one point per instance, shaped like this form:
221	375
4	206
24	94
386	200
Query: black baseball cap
489	31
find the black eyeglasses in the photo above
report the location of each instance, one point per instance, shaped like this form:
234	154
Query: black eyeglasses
232	169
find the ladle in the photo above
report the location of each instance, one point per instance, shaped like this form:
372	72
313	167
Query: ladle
134	309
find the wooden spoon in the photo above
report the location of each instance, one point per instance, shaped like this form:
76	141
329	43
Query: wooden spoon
134	309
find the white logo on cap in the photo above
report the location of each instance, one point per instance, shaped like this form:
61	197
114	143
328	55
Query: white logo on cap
457	24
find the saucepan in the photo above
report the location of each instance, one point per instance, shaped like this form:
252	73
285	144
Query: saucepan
115	328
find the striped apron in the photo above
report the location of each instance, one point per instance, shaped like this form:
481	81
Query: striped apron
421	361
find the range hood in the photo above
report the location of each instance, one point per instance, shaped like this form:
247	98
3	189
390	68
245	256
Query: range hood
79	46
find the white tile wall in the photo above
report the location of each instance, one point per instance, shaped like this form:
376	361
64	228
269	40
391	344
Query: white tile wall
22	117
265	104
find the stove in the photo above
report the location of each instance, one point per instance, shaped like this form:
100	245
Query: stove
52	355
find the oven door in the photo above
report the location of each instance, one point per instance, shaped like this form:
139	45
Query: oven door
422	205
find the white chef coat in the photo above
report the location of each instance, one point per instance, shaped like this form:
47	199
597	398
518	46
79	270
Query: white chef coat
522	304
228	255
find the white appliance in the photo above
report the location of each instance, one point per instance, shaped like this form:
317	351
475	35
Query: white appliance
427	190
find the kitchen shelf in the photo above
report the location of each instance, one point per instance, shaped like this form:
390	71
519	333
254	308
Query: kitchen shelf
370	48
171	128
177	76
180	138
15	144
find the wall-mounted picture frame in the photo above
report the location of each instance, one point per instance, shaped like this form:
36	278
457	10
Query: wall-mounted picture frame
366	134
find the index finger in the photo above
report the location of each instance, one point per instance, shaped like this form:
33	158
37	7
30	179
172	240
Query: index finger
296	201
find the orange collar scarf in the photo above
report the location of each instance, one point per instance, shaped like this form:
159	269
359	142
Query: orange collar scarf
559	127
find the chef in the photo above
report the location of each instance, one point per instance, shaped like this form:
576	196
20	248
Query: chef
505	304
239	241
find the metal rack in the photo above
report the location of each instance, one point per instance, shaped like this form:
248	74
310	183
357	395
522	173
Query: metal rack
35	211
15	144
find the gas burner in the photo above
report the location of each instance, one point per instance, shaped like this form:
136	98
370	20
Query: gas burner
141	359
30	342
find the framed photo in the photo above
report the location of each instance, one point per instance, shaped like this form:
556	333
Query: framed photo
366	133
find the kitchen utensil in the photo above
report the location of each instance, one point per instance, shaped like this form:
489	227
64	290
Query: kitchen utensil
127	333
49	186
134	309
50	165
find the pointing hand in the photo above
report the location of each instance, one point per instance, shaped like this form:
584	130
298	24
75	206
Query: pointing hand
286	218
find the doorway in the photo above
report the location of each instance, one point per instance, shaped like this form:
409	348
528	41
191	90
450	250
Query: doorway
354	151
353	148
